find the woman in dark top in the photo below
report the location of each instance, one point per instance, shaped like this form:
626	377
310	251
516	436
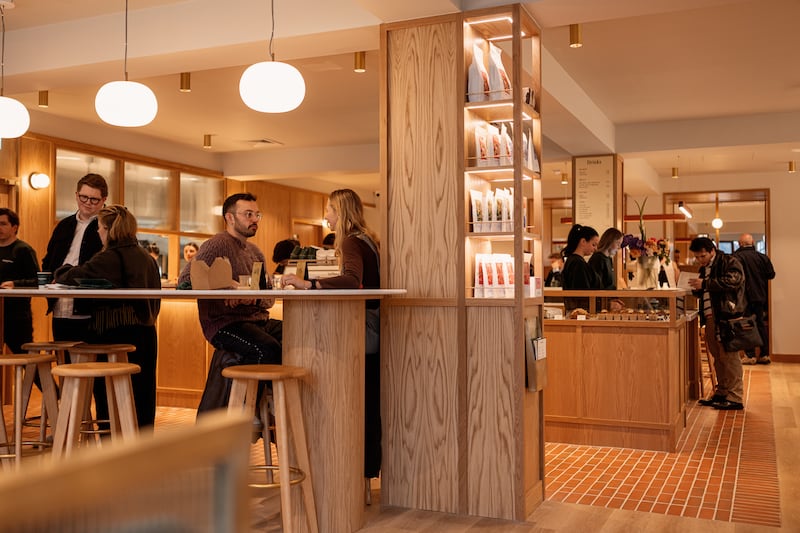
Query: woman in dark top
357	248
126	265
602	261
581	242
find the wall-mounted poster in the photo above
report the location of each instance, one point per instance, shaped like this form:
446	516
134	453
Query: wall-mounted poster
593	191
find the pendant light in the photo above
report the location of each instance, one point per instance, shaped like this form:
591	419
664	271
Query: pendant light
272	86
717	222
792	167
14	117
360	62
575	37
126	103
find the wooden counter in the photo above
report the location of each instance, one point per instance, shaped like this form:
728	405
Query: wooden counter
323	331
619	382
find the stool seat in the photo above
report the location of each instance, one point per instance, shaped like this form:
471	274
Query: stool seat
25	366
288	414
102	349
265	372
95	370
49	345
78	380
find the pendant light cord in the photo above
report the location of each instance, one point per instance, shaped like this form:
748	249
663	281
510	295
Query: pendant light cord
272	34
125	64
2	50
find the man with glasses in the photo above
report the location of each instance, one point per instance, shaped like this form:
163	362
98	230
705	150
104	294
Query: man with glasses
239	329
74	241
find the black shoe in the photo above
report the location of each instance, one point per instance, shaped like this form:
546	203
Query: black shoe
711	401
725	405
763	360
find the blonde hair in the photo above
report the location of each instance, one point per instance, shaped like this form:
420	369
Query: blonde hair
120	222
350	212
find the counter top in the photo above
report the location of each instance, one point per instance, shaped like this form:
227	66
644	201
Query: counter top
318	294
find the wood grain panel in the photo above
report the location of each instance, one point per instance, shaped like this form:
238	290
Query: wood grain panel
182	349
419	399
424	198
332	349
493	413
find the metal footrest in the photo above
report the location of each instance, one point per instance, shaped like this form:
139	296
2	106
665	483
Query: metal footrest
32	443
298	474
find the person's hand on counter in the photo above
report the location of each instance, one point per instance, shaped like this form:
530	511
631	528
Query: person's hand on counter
297	282
7	285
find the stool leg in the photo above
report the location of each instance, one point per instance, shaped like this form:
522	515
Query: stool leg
123	404
19	415
301	450
113	410
69	391
238	394
27	386
49	400
266	434
4	436
281	428
79	406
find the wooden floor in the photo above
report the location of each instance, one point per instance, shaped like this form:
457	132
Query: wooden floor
781	381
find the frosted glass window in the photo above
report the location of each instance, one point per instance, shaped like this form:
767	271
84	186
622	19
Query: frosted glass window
201	204
72	166
158	247
147	195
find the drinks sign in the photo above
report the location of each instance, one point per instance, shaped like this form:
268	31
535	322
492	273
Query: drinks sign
593	193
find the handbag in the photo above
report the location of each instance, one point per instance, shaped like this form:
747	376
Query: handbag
739	333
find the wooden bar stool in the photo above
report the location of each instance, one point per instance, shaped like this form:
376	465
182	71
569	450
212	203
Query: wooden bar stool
25	365
78	380
288	414
88	353
58	349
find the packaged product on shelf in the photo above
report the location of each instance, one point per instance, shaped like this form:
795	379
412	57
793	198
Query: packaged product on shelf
489	277
508	214
532	162
506	263
494	144
480	276
481	146
495	211
478	78
476	200
499	84
506	147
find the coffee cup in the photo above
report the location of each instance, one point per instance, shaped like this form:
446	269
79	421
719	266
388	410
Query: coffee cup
244	281
43	278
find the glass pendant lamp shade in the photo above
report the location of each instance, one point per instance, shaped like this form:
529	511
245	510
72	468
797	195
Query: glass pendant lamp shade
14	118
126	103
272	87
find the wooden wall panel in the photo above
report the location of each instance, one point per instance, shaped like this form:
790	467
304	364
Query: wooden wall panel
419	396
424	146
493	413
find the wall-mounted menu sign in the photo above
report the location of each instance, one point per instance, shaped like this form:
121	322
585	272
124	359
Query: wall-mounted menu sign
593	192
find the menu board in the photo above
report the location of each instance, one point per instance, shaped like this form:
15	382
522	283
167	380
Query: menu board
593	192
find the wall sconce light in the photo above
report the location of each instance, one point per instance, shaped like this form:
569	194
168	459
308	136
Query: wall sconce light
272	86
792	168
39	180
575	37
207	140
685	210
186	82
674	173
44	99
360	62
129	104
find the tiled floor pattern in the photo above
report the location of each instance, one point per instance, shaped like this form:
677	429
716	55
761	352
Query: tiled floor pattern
725	467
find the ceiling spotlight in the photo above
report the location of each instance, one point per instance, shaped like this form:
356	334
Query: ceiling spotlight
272	86
360	62
186	82
792	168
575	38
129	104
674	173
207	140
564	179
44	99
685	210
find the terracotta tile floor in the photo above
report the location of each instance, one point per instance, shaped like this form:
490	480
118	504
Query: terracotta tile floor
725	467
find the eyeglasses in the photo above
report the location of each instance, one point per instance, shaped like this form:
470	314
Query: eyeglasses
250	214
89	199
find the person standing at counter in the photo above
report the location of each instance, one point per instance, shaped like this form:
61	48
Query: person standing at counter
722	279
18	267
758	271
74	241
581	242
357	248
239	329
602	261
126	265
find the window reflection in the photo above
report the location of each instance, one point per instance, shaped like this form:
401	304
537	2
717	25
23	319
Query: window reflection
147	195
199	196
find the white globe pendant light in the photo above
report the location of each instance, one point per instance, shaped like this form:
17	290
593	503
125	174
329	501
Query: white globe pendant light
129	104
272	86
14	117
126	103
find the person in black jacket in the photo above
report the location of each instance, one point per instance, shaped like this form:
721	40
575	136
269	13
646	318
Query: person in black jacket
581	243
18	267
74	241
758	270
720	288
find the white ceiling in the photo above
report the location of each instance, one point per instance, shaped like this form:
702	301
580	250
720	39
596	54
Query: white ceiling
709	86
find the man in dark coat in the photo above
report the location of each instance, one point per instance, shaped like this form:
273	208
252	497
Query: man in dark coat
758	270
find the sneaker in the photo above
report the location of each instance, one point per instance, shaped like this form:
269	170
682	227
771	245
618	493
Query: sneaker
725	405
748	360
711	401
764	360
